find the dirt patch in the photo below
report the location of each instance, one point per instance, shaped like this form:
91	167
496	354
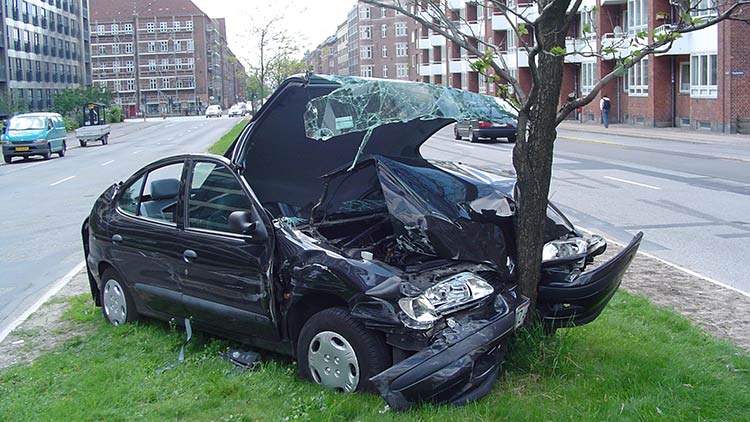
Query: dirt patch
718	310
45	328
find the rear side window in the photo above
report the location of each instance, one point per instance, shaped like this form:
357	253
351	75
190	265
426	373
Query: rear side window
131	196
160	193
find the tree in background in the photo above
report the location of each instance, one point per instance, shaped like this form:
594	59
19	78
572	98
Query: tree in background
543	35
69	101
274	52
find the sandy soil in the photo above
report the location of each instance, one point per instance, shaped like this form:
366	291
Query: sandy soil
720	311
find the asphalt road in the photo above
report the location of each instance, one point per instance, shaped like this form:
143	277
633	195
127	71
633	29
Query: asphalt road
43	203
691	199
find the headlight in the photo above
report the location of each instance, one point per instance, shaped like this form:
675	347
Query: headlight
42	141
450	295
564	249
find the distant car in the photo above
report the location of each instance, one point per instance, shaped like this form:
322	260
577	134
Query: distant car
214	111
34	134
500	126
236	111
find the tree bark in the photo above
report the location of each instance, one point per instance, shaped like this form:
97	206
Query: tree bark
532	155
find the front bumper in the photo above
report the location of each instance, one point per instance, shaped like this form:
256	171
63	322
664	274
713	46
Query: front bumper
459	367
33	149
567	304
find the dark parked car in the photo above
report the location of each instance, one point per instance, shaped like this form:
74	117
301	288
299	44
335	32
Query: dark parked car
493	126
390	273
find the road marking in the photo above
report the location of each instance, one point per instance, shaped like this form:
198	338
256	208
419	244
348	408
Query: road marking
108	163
593	141
632	183
61	181
56	287
35	164
675	266
136	151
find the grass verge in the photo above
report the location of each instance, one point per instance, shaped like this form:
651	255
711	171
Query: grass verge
636	362
221	146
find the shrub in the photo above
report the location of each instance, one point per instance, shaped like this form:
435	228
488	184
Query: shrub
115	115
71	124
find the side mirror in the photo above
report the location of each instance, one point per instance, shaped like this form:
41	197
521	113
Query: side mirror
240	222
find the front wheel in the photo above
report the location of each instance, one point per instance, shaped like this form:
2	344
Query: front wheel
47	154
62	151
117	304
7	159
105	139
83	143
338	352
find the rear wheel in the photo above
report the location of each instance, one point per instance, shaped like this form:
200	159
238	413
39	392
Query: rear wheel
117	304
83	143
472	136
338	352
61	153
456	135
512	139
105	139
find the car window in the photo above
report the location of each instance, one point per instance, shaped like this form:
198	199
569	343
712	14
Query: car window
215	193
130	197
160	193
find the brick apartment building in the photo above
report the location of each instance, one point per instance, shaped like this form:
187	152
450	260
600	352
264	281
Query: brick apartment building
163	55
372	42
45	49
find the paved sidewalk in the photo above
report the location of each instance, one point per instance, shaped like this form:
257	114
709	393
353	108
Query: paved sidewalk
667	133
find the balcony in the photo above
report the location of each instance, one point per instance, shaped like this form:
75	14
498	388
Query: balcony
473	29
583	46
424	70
462	65
500	23
437	41
423	43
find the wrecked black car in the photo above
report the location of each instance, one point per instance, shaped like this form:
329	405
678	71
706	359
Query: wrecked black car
325	235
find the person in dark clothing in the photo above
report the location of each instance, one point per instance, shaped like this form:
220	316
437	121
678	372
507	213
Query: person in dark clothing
605	105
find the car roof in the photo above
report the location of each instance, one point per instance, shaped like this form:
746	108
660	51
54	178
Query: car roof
40	114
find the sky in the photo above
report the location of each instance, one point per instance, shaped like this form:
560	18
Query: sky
309	22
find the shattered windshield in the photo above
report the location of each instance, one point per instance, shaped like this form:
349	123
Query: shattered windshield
362	105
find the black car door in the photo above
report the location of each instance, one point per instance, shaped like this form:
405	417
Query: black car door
145	234
227	278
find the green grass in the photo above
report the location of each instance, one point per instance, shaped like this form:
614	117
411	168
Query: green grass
636	362
221	146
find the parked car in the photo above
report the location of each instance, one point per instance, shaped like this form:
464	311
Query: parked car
386	272
494	126
214	111
32	134
236	111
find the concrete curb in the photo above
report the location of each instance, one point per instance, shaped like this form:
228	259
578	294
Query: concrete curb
657	133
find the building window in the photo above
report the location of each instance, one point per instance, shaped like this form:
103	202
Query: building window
510	40
685	78
130	84
588	20
703	8
364	13
366	72
190	62
637	15
385	51
383	30
165	82
129	48
401	50
102	50
127	28
165	46
129	66
638	79
115	28
383	12
385	71
117	86
151	46
152	84
100	29
190	45
103	84
178	63
703	76
152	65
150	26
588	77
365	52
116	66
188	26
401	30
402	70
163	27
115	48
164	64
365	32
176	26
177	45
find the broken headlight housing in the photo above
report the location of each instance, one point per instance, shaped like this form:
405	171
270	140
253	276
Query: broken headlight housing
564	249
452	294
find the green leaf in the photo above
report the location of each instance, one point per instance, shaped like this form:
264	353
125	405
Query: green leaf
522	29
558	51
587	28
642	34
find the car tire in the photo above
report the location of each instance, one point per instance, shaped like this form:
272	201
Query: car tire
7	159
48	154
346	345
472	137
512	139
117	303
456	135
61	153
83	143
105	139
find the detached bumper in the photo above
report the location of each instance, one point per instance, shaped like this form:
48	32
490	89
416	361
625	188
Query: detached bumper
458	368
562	304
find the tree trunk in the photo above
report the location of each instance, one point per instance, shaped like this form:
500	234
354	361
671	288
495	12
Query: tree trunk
532	155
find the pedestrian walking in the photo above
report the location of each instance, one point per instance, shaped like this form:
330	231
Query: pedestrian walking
604	105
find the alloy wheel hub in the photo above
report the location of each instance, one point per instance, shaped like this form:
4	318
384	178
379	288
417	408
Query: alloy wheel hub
332	362
114	302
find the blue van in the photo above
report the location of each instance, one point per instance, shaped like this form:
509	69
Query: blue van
34	134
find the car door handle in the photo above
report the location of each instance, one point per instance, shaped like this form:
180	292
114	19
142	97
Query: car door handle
189	255
116	239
